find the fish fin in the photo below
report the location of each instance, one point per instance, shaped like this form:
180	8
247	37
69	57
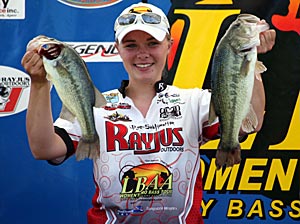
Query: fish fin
228	158
48	77
250	123
66	114
212	113
100	99
259	68
245	67
258	76
87	149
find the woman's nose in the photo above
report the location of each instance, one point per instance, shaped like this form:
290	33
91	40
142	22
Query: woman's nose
142	53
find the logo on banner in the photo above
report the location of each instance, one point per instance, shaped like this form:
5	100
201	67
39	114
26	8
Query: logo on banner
14	91
89	4
12	9
96	51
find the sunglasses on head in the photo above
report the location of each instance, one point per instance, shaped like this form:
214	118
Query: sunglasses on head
131	18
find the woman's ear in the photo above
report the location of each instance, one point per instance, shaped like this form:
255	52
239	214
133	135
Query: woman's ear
117	45
170	44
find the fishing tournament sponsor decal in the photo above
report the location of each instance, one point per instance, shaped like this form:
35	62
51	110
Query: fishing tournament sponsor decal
145	138
113	103
114	106
112	97
14	91
167	98
173	112
96	51
169	112
143	182
117	116
89	4
11	9
146	180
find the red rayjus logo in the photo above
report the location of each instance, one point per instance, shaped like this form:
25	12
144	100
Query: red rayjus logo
168	139
14	91
146	180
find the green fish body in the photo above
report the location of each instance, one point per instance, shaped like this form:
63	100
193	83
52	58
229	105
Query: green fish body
70	77
232	79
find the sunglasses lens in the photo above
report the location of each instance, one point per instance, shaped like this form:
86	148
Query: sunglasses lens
151	18
126	19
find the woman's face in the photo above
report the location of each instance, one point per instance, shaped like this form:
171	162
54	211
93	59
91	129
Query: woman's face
143	56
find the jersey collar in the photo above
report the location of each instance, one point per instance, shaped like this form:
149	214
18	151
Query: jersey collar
159	87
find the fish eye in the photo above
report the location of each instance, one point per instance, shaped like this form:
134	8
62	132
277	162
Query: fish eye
45	46
237	25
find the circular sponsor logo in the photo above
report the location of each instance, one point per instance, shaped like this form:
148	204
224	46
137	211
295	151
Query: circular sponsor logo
90	3
14	91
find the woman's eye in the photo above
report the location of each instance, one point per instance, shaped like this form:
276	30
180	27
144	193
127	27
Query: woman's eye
130	46
151	44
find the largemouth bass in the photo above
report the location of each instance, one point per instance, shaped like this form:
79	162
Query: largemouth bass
70	77
234	67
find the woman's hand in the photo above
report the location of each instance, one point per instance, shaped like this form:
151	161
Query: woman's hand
33	64
267	41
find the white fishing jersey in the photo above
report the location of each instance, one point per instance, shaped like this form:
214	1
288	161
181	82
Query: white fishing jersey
148	170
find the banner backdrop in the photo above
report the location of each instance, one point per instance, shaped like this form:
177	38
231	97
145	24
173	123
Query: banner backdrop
264	188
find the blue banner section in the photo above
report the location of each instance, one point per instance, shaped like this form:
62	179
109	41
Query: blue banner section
264	188
33	191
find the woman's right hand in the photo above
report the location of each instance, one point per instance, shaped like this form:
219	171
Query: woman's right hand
33	64
43	141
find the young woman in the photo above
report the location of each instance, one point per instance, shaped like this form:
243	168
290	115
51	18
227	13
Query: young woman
148	169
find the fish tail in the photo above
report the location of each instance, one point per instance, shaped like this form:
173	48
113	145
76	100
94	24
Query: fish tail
228	158
88	149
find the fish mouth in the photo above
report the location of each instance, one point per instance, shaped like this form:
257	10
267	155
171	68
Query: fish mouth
248	44
245	50
248	18
262	27
249	47
50	51
254	21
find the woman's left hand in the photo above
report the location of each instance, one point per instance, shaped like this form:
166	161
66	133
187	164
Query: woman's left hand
267	41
